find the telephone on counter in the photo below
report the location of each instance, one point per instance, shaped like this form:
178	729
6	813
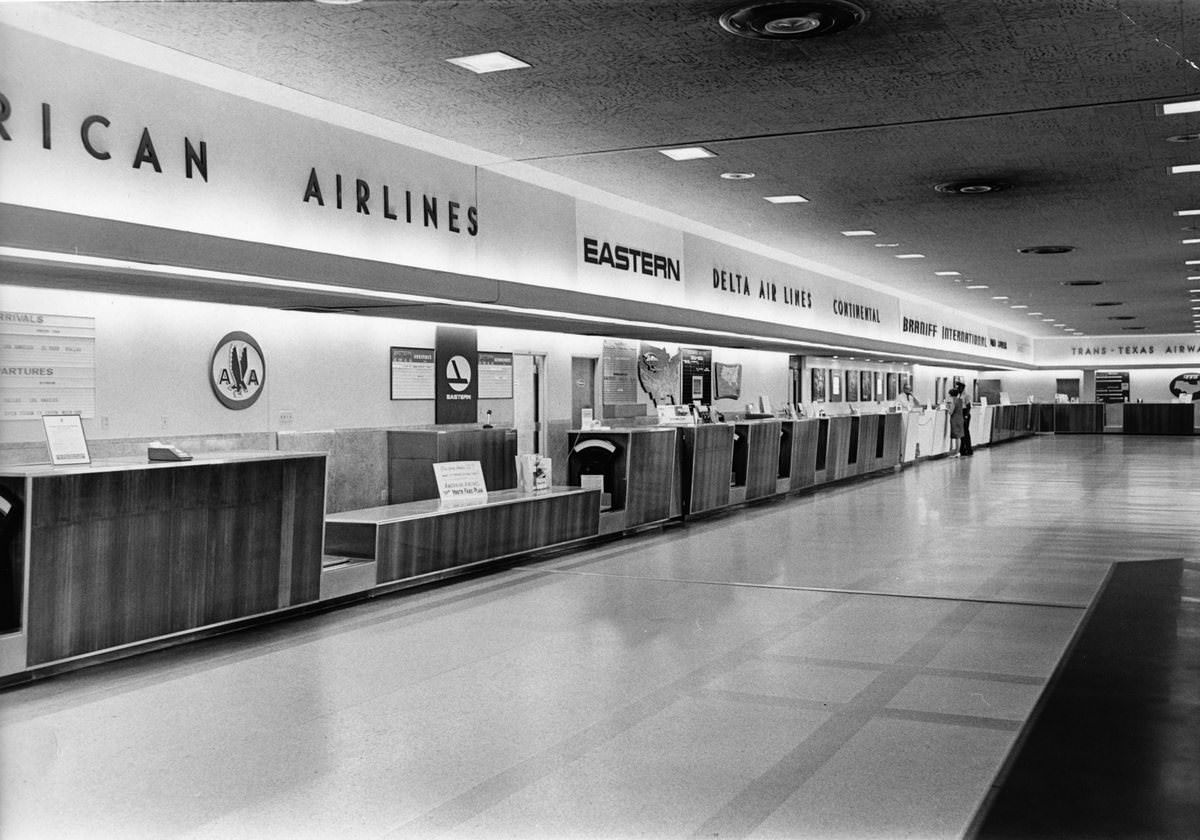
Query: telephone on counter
159	451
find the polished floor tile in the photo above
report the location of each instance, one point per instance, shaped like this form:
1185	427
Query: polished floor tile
855	662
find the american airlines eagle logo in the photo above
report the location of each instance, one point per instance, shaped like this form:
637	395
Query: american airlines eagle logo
238	371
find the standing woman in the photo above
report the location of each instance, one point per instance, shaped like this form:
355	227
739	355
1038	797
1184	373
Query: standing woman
956	418
965	448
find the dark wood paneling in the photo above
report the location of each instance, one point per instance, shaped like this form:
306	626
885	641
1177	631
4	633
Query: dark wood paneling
1079	418
804	453
1159	419
893	440
707	456
413	452
837	453
868	431
307	522
129	555
443	541
762	458
650	477
1017	420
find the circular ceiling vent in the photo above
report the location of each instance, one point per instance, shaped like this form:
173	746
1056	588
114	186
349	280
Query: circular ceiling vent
1082	283
1047	249
775	21
971	186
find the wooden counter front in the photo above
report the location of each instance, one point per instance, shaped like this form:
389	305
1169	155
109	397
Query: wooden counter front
425	537
1159	419
413	452
1078	418
706	459
123	551
756	459
644	480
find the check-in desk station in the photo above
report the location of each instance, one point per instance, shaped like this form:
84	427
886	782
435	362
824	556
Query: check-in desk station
120	551
123	555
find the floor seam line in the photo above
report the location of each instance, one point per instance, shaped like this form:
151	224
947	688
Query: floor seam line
824	589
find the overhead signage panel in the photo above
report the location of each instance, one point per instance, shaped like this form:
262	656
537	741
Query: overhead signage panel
1107	351
627	257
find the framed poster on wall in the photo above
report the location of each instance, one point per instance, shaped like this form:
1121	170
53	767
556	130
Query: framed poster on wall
818	384
866	387
851	386
835	386
892	386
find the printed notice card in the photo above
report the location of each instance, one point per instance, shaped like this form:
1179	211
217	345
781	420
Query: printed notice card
65	440
460	482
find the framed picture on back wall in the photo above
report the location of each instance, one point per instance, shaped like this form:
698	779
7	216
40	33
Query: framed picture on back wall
851	386
818	384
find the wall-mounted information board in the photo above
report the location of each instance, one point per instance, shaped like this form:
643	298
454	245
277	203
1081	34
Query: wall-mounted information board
620	361
1112	386
495	376
47	365
412	373
697	375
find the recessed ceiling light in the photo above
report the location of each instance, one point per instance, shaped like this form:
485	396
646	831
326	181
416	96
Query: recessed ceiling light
977	286
887	244
910	256
1186	107
1192	262
786	199
1047	249
1189	241
1048	320
1184	168
737	176
688	153
859	233
1034	313
999	297
491	62
947	274
1187	213
975	186
1019	306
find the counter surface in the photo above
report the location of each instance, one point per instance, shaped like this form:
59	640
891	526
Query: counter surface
102	465
435	507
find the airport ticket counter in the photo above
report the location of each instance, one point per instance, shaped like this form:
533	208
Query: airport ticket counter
423	540
637	470
121	552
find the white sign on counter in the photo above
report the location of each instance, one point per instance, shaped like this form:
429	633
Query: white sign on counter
460	481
